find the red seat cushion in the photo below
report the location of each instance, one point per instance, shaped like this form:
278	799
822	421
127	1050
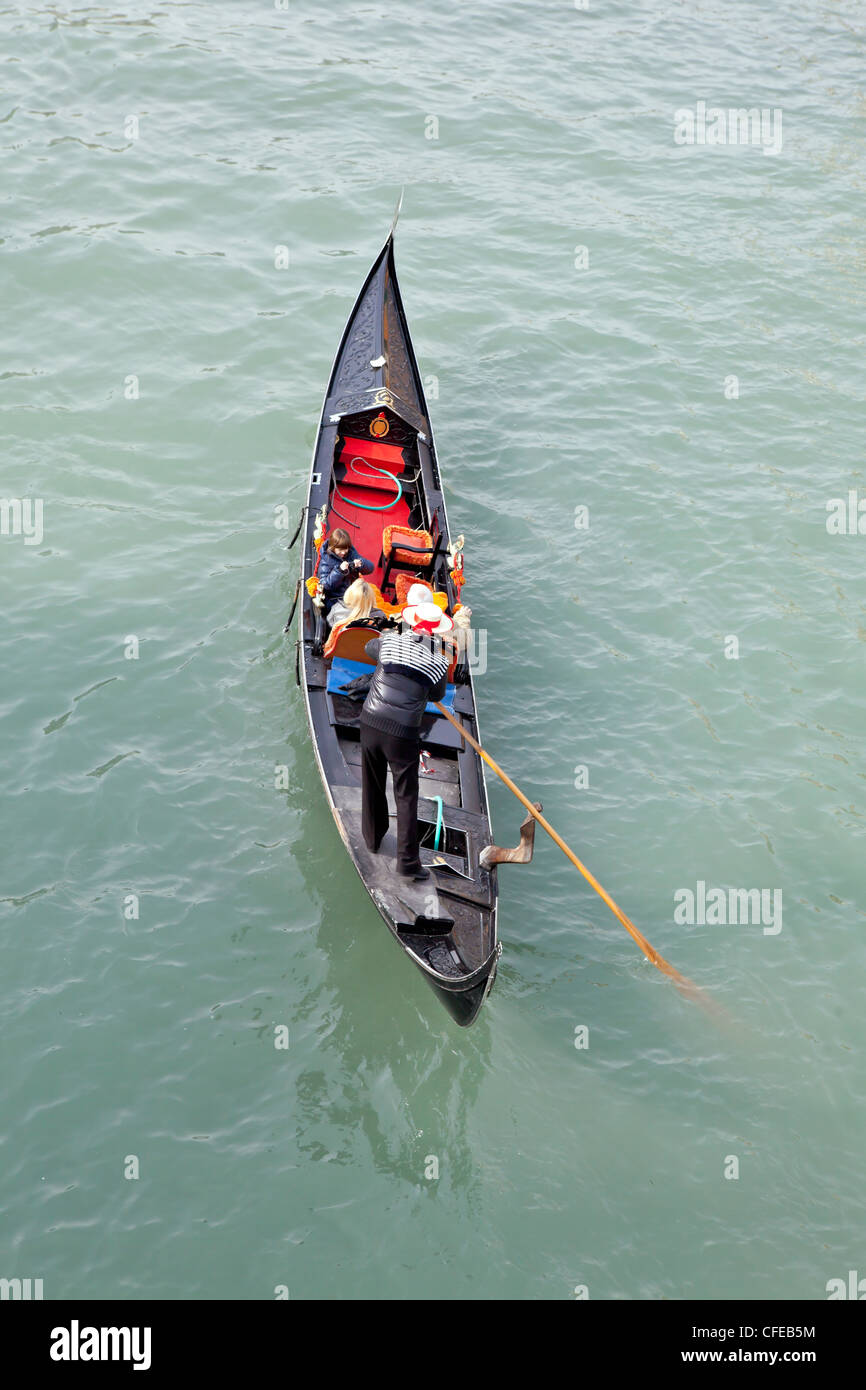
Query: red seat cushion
388	456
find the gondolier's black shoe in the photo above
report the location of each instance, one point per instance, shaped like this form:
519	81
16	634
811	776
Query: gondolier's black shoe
419	875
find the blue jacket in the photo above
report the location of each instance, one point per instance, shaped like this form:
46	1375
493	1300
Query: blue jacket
335	581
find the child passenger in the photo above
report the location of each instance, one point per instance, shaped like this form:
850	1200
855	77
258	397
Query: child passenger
339	565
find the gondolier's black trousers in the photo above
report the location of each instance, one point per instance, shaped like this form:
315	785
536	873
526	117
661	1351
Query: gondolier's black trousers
379	752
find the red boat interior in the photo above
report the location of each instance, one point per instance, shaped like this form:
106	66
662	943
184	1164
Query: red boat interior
376	485
361	486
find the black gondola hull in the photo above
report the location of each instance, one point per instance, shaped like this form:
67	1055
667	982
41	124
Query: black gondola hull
375	407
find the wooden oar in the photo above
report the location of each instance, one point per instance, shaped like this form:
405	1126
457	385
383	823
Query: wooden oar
681	981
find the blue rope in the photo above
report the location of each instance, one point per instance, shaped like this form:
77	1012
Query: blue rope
439	820
386	507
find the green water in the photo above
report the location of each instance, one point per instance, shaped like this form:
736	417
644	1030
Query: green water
160	384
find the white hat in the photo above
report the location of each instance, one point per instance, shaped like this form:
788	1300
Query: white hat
428	613
419	593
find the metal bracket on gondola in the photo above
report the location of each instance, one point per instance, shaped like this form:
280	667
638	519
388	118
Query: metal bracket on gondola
521	854
298	662
294	606
300	524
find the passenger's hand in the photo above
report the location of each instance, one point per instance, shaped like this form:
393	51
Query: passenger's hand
345	565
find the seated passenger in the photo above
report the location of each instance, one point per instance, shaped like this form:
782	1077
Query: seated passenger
340	563
419	592
358	604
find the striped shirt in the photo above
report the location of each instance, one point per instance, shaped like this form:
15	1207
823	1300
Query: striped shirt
419	654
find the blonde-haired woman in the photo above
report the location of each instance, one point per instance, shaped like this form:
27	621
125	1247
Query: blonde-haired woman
360	608
356	604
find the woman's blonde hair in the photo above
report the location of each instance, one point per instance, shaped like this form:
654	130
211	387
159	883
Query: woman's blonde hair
360	601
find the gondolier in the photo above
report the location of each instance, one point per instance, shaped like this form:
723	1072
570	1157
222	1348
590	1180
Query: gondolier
411	669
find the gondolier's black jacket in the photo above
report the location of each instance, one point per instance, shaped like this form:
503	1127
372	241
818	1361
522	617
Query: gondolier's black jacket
408	674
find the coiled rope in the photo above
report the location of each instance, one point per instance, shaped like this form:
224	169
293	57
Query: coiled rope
364	506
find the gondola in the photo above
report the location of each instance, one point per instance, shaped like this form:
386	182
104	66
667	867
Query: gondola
375	474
